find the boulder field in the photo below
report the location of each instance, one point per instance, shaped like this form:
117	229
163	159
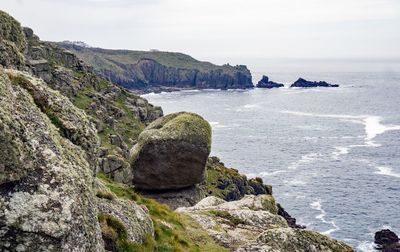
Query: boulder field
68	138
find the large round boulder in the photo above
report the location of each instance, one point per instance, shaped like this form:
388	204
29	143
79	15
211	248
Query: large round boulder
171	153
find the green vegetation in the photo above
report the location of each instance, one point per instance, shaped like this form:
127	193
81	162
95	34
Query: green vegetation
228	184
105	195
173	231
11	30
183	125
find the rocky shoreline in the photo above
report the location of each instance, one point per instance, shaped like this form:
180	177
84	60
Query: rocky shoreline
87	165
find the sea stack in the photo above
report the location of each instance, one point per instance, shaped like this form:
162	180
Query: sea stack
305	83
266	83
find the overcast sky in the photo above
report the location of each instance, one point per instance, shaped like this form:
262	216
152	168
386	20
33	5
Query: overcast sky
212	29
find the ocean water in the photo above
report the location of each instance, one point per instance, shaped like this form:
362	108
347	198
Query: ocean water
331	154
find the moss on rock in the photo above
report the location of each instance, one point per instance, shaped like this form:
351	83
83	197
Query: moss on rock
12	41
229	184
171	152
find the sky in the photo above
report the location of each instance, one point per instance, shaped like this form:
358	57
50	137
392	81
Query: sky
221	30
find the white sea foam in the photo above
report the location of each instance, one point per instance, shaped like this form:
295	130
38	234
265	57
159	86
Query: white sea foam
265	174
387	171
250	106
366	246
214	123
339	150
305	159
295	182
372	125
318	206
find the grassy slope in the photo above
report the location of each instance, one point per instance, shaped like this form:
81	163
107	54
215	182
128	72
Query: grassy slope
173	231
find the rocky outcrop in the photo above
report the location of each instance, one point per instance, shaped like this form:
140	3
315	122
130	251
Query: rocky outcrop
134	218
171	152
118	114
233	224
387	241
290	220
12	42
161	71
229	184
252	224
305	83
47	201
294	240
266	83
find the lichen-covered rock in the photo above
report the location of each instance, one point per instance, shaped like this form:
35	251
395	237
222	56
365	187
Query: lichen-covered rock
171	152
71	122
135	218
294	240
235	223
12	41
46	197
229	184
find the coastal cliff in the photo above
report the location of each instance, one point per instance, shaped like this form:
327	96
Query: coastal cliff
155	71
76	151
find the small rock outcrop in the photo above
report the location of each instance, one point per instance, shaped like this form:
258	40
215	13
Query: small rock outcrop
12	42
387	241
266	83
229	184
233	224
305	83
290	220
252	224
171	153
294	240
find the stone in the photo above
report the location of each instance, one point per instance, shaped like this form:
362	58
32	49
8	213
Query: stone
266	83
290	220
387	241
46	195
136	220
234	223
171	152
305	83
176	198
293	240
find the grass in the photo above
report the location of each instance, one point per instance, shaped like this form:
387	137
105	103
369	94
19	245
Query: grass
82	101
173	231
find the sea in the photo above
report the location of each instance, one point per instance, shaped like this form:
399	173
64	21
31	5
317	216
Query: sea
332	155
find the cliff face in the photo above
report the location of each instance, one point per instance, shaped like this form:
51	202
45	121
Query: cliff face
158	71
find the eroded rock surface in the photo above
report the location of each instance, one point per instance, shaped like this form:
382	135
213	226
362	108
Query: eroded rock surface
171	152
47	202
234	223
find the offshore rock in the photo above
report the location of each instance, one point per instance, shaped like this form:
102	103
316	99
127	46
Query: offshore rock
171	152
305	83
387	241
266	83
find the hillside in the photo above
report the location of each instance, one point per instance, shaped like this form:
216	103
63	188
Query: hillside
160	71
